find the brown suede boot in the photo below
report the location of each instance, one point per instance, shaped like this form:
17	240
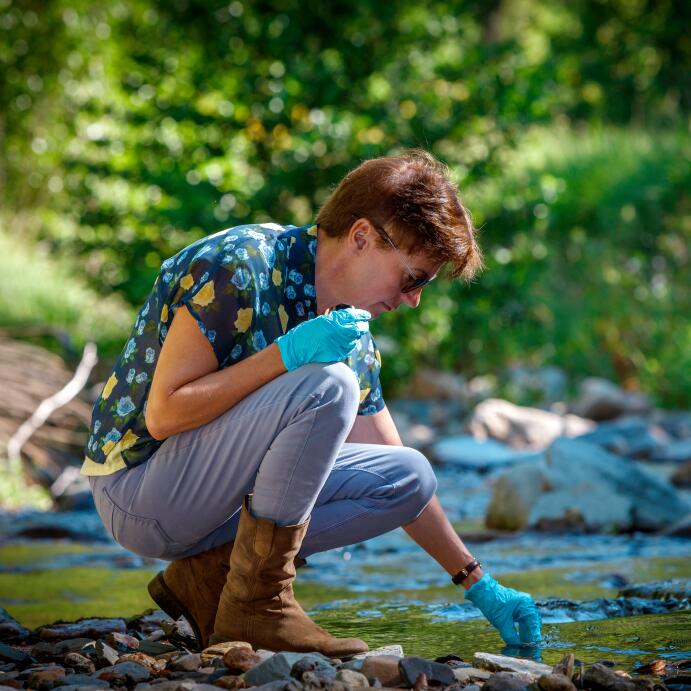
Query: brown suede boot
191	587
257	604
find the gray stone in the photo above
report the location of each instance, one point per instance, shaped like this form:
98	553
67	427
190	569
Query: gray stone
382	667
600	399
522	427
467	452
504	663
555	682
508	681
320	667
437	673
155	647
466	674
580	469
189	662
10	654
287	684
276	667
394	649
79	663
351	678
124	673
82	628
514	494
630	437
80	680
10	628
599	677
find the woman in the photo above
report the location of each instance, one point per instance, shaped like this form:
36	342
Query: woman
247	431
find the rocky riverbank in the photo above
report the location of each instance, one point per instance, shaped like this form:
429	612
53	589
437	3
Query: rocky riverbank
151	651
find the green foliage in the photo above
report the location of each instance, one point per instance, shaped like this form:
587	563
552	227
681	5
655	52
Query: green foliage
132	128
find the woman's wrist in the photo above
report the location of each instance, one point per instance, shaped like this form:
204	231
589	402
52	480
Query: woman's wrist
473	577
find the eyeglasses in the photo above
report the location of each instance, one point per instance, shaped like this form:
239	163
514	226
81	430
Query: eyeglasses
415	282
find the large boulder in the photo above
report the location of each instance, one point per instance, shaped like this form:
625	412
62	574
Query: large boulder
630	436
521	427
582	486
585	476
514	494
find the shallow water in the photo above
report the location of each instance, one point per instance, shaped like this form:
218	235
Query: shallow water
389	591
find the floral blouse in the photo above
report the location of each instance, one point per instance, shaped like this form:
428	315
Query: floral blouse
245	286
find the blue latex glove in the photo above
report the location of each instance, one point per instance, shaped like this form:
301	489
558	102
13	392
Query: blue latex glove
326	338
504	608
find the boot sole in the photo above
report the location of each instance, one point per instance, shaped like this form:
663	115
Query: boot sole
164	597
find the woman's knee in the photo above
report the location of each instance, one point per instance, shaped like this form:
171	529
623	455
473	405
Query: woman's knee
416	483
336	383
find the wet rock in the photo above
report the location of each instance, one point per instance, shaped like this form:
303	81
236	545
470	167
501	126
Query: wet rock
503	663
101	653
82	628
522	427
122	642
124	673
681	528
599	677
10	654
45	650
79	680
467	452
671	589
556	682
436	672
149	621
471	687
44	678
352	679
469	674
179	631
156	647
394	649
634	437
79	663
7	683
276	667
286	684
657	667
186	663
218	650
383	667
514	494
508	681
241	659
600	399
319	666
11	629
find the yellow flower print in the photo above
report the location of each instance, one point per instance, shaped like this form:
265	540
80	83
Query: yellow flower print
187	281
363	394
205	296
128	439
283	316
312	231
242	323
276	277
378	357
108	446
108	388
164	313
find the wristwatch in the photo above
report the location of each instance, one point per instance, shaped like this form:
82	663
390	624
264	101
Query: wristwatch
465	572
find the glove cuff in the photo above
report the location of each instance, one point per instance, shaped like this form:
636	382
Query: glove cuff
478	587
286	350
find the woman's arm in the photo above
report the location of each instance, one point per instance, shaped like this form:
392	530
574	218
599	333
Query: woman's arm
188	390
375	429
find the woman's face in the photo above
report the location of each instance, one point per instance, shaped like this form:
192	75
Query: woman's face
380	273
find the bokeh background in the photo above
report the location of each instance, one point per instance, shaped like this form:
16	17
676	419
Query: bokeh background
130	129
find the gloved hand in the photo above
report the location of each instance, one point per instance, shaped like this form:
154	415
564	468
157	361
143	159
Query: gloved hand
504	608
326	338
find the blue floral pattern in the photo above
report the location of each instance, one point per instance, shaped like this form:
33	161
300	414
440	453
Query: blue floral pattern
245	286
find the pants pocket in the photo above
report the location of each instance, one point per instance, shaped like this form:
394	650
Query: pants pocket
138	534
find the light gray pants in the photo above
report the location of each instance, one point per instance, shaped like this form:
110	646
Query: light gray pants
285	443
